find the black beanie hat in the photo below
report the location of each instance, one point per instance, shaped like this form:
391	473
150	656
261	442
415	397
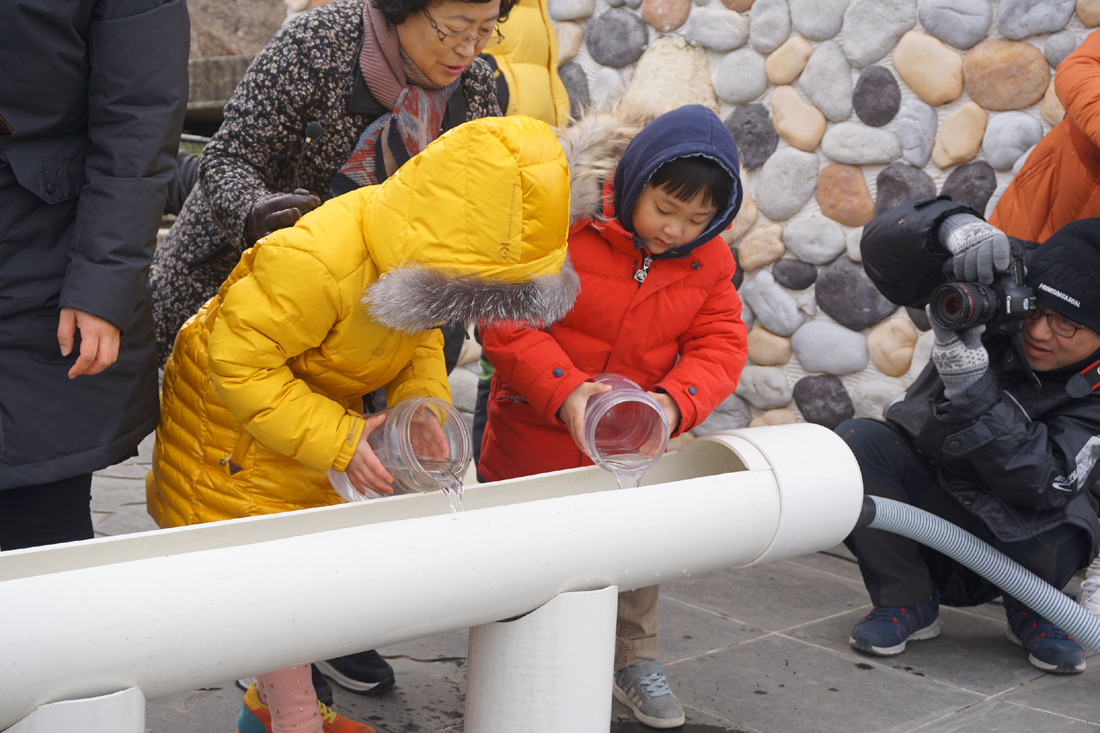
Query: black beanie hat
1064	272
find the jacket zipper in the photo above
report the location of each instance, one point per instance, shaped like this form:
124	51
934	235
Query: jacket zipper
641	274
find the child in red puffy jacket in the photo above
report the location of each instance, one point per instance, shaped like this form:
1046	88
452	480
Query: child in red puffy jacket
657	304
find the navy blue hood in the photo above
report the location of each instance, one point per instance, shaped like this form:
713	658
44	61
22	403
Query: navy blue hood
683	132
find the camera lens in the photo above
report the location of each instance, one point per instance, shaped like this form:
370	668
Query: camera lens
957	306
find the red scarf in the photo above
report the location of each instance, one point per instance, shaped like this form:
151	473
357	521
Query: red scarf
394	137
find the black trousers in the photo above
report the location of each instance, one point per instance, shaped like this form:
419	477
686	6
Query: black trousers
900	572
32	516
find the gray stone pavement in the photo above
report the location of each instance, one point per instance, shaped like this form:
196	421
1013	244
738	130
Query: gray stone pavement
759	650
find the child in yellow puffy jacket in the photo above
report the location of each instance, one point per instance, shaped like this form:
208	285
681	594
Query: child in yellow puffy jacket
263	390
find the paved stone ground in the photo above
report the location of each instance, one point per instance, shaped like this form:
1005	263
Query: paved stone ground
762	649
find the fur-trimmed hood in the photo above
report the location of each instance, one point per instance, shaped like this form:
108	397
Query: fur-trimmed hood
593	146
415	298
474	228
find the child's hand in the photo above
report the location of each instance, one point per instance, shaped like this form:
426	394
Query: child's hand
572	410
364	469
672	410
429	442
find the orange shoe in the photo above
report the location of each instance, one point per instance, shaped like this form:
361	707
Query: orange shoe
336	723
255	717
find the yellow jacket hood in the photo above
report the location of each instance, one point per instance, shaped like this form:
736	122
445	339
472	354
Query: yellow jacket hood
476	230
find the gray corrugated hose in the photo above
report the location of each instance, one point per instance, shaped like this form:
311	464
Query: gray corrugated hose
994	566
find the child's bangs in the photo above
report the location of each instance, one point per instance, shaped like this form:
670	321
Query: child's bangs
685	177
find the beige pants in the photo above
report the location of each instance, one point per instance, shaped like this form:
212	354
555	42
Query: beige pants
636	627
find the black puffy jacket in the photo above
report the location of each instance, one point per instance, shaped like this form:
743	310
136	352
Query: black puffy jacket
1015	449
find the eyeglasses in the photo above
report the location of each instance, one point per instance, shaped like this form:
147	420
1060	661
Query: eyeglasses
457	40
1058	325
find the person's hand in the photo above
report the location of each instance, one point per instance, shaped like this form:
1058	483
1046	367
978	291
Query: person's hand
960	358
672	410
978	250
98	341
364	470
429	442
277	211
571	411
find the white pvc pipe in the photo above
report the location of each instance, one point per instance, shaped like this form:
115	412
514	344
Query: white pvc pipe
547	672
119	712
172	610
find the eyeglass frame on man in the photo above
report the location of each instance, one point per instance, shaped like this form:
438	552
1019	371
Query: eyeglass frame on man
478	41
1034	316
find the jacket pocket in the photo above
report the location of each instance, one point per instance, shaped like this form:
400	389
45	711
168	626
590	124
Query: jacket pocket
235	461
53	170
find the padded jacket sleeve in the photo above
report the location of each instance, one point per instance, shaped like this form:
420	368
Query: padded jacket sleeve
137	93
1028	463
264	322
712	354
533	364
1077	84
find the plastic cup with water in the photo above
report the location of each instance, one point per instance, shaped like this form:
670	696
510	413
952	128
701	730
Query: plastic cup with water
625	429
424	444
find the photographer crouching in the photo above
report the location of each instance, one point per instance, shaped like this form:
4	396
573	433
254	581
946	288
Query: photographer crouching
1000	433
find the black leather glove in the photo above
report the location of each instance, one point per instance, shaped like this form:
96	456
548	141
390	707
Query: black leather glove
277	211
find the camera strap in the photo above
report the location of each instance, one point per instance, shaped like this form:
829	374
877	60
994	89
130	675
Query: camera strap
1085	381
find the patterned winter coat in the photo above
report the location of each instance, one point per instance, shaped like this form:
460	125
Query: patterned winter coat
1060	182
263	389
309	71
677	331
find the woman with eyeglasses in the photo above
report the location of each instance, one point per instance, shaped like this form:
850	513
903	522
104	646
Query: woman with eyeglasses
340	98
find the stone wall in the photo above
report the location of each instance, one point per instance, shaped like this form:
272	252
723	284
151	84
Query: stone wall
841	108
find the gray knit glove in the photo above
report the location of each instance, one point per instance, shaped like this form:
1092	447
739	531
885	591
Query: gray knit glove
979	250
960	359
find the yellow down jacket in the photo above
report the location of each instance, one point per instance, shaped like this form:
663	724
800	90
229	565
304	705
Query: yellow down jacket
528	60
262	393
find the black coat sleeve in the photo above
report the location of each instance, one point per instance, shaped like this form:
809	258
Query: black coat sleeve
1033	462
185	177
137	94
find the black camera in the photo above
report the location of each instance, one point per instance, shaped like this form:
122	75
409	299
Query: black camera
1003	306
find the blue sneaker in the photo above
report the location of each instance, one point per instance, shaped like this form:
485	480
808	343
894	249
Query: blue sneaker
1048	647
886	630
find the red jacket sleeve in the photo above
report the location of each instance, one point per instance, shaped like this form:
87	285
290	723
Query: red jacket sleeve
532	363
712	353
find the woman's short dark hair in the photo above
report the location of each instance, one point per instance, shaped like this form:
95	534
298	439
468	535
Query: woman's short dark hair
397	11
684	177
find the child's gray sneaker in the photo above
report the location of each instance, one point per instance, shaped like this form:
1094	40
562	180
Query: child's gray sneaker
642	687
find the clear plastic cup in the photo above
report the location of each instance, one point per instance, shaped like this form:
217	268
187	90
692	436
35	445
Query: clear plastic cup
424	444
625	429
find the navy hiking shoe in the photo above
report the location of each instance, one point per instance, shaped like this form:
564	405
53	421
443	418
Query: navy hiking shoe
365	673
886	630
1048	647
